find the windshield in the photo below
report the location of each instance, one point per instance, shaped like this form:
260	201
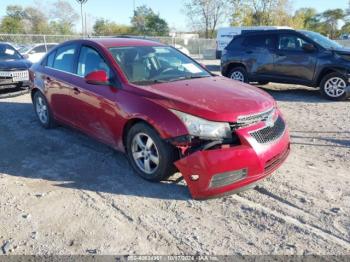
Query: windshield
7	52
323	41
145	65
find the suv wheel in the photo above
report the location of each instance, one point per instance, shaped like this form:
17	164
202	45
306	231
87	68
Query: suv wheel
239	74
333	86
150	156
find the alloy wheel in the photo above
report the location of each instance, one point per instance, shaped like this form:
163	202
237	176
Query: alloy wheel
335	87
42	110
237	75
145	153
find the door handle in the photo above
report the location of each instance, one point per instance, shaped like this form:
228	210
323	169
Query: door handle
76	91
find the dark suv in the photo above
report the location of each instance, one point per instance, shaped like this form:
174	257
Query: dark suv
289	56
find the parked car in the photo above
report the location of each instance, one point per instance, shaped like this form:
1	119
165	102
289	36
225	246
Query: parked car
226	34
289	56
164	110
35	52
13	68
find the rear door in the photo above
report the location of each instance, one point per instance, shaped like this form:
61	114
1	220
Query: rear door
59	79
292	63
259	55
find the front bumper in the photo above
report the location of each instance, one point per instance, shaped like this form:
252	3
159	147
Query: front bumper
244	164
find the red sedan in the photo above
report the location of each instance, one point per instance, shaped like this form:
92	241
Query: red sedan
166	111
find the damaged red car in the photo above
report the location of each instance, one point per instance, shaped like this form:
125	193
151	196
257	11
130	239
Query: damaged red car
167	112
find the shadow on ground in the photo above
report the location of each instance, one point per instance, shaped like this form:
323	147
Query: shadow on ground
70	159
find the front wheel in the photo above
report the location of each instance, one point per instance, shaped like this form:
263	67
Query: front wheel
150	156
333	86
239	74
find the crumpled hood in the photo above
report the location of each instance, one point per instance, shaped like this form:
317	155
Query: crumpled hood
20	64
212	98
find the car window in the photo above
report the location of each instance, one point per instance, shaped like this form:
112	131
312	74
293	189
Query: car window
291	42
7	52
38	49
259	41
50	59
49	47
90	60
64	59
155	64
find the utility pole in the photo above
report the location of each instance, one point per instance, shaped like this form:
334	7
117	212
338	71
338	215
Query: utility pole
82	2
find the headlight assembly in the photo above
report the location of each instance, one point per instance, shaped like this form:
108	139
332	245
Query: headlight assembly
203	128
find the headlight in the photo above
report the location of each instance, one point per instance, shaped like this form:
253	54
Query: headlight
203	128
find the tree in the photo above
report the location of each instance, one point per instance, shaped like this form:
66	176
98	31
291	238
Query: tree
330	20
146	22
206	15
12	22
306	19
108	28
63	17
35	21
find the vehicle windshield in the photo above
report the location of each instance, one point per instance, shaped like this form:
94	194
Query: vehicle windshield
25	49
145	65
7	52
323	41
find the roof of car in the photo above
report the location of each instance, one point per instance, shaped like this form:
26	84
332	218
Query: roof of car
269	31
115	42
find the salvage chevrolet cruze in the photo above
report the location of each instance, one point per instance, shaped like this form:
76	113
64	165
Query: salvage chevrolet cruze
166	111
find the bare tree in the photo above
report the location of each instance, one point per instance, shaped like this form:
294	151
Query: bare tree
206	15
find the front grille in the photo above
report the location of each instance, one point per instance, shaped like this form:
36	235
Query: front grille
249	120
227	178
270	133
273	163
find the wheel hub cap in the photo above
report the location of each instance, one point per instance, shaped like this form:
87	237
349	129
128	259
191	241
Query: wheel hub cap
41	110
145	153
335	87
237	75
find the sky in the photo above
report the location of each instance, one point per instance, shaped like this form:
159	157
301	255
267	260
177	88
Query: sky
172	11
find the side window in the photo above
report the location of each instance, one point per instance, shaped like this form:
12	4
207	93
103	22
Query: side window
39	49
89	61
260	41
291	43
50	59
65	58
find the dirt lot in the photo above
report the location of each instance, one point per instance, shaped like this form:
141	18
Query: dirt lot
63	193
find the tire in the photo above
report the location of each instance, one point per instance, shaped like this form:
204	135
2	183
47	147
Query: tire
139	151
239	74
333	86
45	118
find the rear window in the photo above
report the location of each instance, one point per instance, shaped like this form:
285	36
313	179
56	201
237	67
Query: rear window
260	41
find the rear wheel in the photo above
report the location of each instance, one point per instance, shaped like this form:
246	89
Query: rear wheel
239	74
333	86
150	156
43	111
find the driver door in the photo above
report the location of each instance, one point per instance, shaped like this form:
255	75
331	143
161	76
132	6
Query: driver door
292	63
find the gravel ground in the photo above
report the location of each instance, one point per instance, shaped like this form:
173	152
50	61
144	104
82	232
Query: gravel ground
63	193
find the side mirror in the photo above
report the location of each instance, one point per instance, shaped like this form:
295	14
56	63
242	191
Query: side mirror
97	78
309	48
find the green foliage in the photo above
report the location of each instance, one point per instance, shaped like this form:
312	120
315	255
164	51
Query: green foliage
61	19
105	27
146	22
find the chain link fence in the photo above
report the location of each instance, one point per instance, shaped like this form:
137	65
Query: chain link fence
196	48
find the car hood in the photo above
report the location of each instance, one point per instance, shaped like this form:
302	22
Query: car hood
213	98
14	64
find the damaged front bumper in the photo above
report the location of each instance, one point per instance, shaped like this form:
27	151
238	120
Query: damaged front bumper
229	168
